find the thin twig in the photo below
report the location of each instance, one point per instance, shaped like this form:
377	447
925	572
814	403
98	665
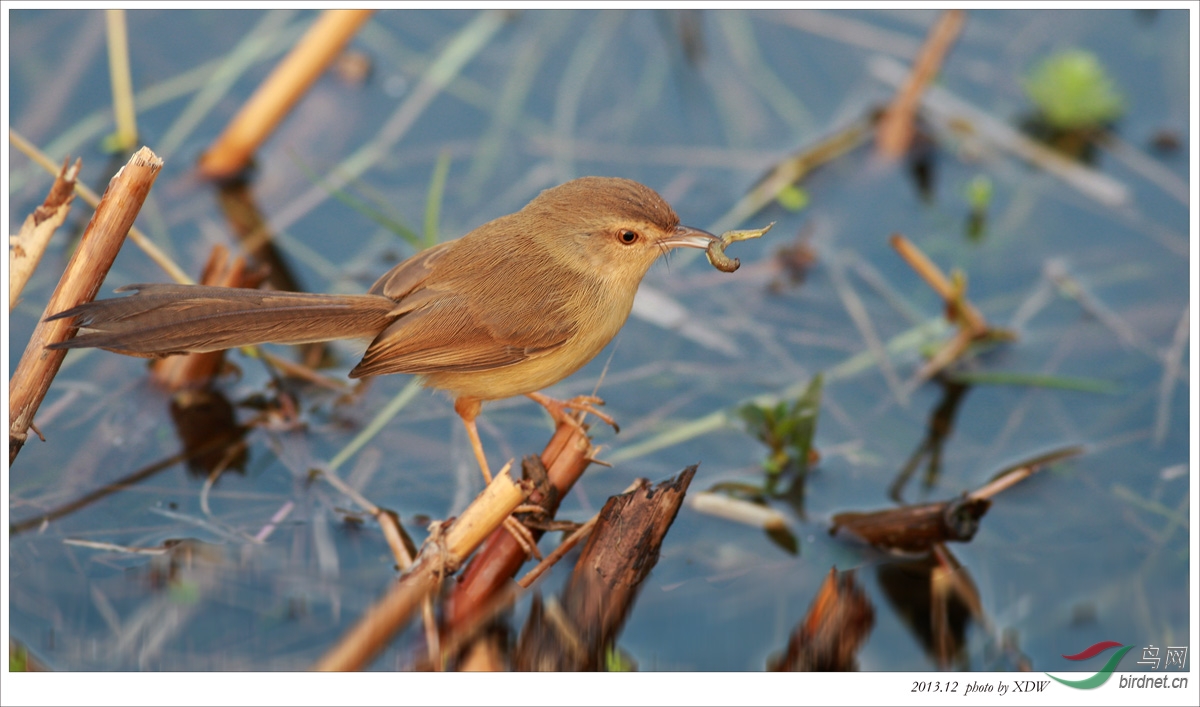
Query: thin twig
226	459
862	321
280	515
392	532
1172	363
141	240
1009	477
941	284
438	558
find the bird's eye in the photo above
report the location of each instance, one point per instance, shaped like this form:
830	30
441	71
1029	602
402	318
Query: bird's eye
628	237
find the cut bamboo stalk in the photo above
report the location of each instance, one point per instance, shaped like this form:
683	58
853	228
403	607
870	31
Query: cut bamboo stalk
566	456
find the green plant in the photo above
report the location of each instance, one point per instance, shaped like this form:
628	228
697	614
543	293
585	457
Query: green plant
1072	91
787	429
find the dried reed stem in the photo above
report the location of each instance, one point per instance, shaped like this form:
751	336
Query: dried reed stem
894	133
941	284
438	558
27	247
97	250
290	80
122	80
139	239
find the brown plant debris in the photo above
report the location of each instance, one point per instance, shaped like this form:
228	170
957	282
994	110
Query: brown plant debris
28	245
619	554
915	528
828	639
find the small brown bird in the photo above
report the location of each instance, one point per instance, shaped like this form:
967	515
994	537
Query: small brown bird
514	306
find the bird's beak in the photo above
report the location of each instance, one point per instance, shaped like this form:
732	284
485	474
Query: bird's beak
688	237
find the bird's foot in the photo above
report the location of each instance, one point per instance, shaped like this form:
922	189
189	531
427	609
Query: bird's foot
580	403
523	536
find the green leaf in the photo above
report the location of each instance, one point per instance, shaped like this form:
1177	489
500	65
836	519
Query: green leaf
1035	380
433	203
185	592
787	429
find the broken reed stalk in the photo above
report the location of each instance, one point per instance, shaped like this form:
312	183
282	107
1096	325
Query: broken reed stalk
439	557
565	458
401	545
81	280
620	552
1016	473
918	528
452	643
139	239
959	311
941	284
290	80
124	111
26	248
894	133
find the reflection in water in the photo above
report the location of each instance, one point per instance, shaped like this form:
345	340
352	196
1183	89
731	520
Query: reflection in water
938	430
935	602
207	426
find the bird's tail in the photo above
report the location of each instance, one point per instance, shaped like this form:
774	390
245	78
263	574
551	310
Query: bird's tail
161	320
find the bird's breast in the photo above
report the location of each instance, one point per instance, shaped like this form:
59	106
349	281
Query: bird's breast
599	315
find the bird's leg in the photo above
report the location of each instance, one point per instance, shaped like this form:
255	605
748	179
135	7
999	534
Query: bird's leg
468	410
582	403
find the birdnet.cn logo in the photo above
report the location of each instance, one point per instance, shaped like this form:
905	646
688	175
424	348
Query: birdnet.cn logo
1153	657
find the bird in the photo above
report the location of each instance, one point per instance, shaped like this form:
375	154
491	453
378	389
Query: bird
512	307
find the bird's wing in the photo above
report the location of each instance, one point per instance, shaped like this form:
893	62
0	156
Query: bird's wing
412	273
441	331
